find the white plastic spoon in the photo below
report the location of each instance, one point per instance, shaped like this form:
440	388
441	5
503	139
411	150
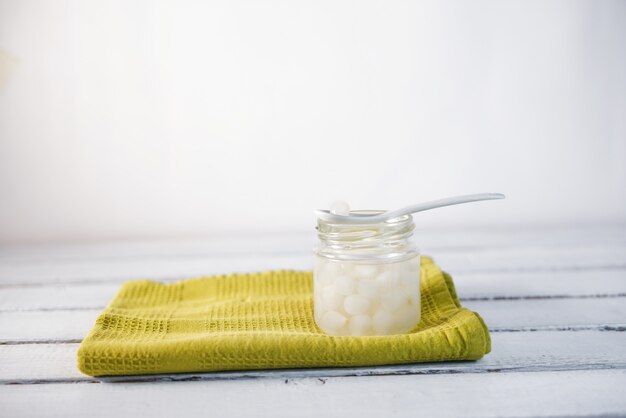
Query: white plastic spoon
363	218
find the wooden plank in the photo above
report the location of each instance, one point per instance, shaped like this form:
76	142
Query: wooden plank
541	394
518	351
150	268
519	285
41	326
505	285
171	268
32	363
500	315
61	297
219	246
534	259
537	314
429	239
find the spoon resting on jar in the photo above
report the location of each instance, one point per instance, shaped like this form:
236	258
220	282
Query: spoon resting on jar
340	212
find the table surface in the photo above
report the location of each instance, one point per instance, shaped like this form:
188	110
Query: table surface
553	298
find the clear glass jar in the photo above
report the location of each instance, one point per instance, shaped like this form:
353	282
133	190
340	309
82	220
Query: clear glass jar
366	277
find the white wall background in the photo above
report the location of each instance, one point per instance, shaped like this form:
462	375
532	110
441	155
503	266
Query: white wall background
138	119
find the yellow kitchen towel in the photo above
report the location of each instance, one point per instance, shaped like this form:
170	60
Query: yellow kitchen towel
263	321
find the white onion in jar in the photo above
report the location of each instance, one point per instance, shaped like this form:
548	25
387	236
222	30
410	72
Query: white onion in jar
367	299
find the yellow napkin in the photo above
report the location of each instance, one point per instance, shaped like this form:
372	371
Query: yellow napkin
263	321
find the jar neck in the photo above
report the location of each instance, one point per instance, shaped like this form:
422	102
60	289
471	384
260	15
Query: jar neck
388	241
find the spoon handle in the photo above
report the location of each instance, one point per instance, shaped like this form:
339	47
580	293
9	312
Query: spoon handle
448	201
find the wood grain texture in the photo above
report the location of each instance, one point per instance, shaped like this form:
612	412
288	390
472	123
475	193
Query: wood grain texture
540	394
512	352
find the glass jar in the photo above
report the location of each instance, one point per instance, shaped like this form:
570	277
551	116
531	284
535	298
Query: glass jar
366	277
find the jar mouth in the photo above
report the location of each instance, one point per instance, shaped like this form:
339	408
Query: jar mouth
387	240
348	231
323	216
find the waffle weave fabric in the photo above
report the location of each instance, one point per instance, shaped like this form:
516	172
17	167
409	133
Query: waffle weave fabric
263	321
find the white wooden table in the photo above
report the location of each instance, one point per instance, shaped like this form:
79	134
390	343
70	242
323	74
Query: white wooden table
554	299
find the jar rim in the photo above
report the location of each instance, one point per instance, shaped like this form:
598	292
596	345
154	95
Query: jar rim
388	239
324	217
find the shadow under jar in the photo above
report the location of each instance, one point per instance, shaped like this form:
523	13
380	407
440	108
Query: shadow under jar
366	277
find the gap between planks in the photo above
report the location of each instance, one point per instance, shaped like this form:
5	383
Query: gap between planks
617	327
467	299
500	316
472	285
547	351
162	268
436	240
440	238
540	394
